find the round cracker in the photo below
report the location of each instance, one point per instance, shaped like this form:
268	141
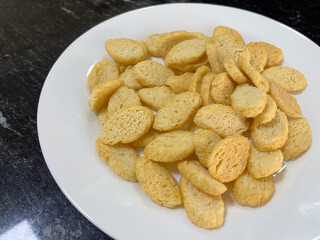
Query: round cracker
272	135
268	113
251	192
222	87
258	56
228	158
299	139
248	100
263	164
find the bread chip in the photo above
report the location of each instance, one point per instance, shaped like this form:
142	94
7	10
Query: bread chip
288	78
204	210
158	183
204	140
170	147
205	88
248	100
234	72
231	47
191	67
126	51
155	97
228	158
221	119
268	113
213	59
274	54
103	115
263	164
222	87
258	80
120	158
102	71
186	52
223	30
272	135
251	192
129	80
177	111
145	139
168	40
127	125
121	98
299	139
259	56
285	101
101	94
152	45
179	84
150	73
196	79
199	176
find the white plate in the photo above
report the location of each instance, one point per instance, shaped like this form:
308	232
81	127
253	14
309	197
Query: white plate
68	129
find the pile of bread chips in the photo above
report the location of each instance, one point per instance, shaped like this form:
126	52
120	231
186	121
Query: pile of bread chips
218	108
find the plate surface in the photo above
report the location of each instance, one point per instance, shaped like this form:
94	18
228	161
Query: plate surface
68	129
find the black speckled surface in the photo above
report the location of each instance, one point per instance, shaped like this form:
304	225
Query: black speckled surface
33	33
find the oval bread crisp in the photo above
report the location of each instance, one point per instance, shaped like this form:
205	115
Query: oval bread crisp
158	183
221	119
251	192
177	111
127	124
204	210
228	158
170	147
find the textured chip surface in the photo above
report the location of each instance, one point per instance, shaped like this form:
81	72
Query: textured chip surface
288	78
228	158
158	183
126	51
177	111
196	79
251	192
285	101
102	71
129	80
272	135
170	147
180	84
221	119
127	125
263	164
155	97
204	140
222	87
268	113
199	176
299	139
204	210
259	56
120	158
234	71
152	45
248	100
150	73
101	94
274	54
121	98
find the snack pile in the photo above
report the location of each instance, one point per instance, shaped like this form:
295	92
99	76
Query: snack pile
223	114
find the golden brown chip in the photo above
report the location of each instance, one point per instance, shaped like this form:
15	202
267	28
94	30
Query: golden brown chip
204	210
158	183
228	158
251	192
299	139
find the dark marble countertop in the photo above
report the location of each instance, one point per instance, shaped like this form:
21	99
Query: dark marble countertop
33	33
